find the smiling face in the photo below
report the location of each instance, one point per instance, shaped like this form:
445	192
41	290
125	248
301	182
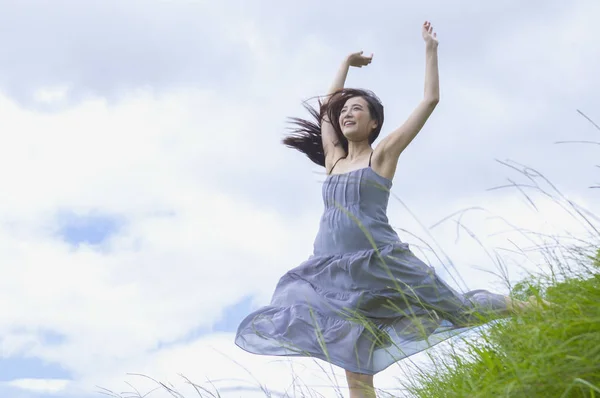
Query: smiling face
355	120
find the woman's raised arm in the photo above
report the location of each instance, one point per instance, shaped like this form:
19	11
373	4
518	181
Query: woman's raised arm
390	148
333	151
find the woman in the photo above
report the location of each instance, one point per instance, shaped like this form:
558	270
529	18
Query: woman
363	301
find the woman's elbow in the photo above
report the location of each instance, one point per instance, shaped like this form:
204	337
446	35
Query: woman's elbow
432	100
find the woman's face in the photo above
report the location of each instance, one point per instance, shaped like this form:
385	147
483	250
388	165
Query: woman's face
355	120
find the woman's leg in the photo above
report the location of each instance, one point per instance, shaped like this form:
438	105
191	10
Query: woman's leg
517	306
361	385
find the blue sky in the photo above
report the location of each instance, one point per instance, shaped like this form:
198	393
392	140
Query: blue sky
149	204
23	368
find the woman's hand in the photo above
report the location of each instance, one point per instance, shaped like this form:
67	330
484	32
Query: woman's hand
358	60
429	35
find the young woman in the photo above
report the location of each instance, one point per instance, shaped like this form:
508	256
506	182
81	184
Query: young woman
363	301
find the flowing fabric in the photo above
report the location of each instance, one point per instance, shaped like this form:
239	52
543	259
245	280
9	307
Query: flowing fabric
362	300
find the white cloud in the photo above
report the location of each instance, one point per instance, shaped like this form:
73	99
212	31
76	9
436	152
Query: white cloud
44	386
51	94
164	274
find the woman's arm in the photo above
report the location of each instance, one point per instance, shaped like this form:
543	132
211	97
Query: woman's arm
340	79
390	148
355	59
333	151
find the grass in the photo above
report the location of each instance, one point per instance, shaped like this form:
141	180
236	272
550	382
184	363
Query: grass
547	353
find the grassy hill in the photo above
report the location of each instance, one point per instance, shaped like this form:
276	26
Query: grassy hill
548	353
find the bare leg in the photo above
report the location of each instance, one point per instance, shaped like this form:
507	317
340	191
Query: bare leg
517	306
361	385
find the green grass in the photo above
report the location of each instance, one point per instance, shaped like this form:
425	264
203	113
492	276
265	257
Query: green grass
548	353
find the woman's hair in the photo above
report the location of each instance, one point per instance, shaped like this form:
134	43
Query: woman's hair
306	134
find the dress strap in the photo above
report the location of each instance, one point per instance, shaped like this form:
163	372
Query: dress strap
370	158
336	162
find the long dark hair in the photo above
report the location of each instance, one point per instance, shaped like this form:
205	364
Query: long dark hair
306	134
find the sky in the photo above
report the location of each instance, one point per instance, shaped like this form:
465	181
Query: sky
148	204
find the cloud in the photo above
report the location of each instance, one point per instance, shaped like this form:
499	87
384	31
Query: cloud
164	271
44	386
105	48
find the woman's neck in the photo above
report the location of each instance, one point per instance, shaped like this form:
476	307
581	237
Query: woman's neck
358	150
